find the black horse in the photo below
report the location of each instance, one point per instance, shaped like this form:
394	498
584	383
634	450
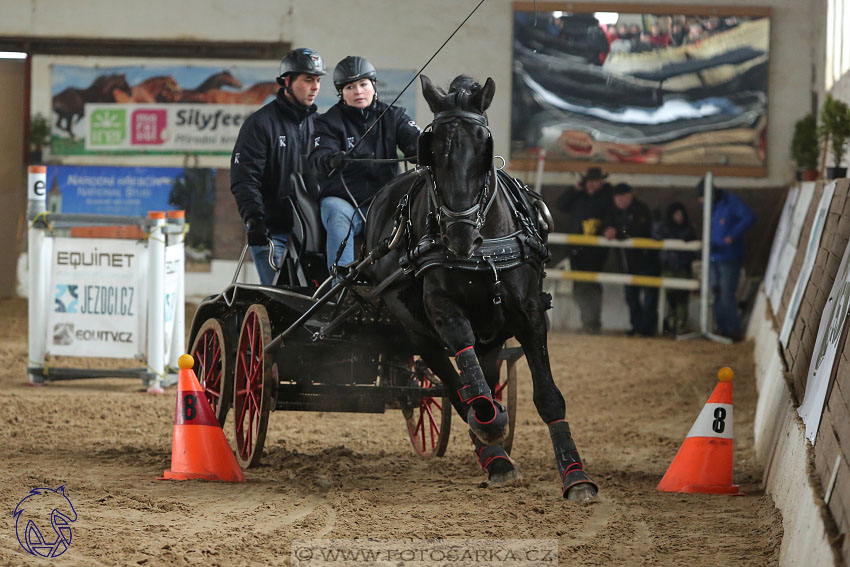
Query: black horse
69	105
471	256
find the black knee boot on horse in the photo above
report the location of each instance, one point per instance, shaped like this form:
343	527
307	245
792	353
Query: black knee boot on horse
486	417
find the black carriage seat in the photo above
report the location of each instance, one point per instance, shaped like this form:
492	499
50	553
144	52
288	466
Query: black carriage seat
303	262
307	221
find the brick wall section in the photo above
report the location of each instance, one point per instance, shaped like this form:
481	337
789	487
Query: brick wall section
833	439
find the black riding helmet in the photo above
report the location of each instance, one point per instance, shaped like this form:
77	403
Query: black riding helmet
301	60
351	69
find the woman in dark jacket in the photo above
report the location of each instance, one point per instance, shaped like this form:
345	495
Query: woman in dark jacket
677	264
348	185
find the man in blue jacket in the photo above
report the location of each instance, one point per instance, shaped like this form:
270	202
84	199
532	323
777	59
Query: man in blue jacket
730	219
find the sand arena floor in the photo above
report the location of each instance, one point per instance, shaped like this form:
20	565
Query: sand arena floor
630	402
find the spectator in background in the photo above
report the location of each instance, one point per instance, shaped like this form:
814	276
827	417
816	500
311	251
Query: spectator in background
621	41
586	204
677	34
642	44
695	34
730	219
677	264
630	218
658	38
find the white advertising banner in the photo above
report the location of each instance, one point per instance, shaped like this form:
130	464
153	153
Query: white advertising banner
789	243
174	258
97	286
808	263
145	127
833	319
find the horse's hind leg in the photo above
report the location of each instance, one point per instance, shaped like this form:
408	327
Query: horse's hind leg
575	482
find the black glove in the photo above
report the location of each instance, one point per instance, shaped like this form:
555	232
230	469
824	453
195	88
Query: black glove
258	234
338	160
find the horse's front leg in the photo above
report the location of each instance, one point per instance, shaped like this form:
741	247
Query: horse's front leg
486	417
575	482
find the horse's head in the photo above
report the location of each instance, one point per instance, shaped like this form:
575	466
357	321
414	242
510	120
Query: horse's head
226	79
117	83
169	90
458	147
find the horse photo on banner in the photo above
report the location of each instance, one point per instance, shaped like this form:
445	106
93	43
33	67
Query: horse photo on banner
122	106
133	108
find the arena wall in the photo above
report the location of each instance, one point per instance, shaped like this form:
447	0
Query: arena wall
405	34
810	484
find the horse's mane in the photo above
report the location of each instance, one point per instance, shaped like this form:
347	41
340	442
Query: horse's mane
103	80
215	80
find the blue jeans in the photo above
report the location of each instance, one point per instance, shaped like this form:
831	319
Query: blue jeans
338	215
723	279
260	254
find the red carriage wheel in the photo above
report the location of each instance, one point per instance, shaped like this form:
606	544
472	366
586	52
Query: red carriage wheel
506	392
252	386
214	367
429	424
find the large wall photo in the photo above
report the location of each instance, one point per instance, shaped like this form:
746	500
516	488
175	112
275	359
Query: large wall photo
680	91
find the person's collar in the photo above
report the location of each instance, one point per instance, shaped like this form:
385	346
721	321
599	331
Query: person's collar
363	113
298	111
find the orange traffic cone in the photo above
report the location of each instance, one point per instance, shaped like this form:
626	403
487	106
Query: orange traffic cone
200	449
704	461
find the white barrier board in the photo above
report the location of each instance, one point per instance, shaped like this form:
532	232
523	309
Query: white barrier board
788	245
832	322
97	288
808	263
174	259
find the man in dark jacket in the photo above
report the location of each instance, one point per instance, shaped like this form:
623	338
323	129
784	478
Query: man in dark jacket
271	146
348	186
586	204
731	217
631	218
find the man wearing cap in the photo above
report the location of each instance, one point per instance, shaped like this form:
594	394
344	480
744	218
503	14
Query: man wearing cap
272	145
586	204
631	218
731	217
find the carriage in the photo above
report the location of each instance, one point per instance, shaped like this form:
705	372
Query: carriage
451	269
301	346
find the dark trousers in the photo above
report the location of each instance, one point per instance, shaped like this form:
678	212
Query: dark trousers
643	308
588	296
677	302
723	278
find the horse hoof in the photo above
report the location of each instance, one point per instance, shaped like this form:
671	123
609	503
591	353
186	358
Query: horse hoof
584	492
493	431
503	477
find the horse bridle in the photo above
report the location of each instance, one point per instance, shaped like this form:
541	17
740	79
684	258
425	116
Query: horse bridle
477	213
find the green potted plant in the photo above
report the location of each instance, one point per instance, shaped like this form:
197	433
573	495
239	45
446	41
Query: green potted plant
39	136
804	148
835	130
